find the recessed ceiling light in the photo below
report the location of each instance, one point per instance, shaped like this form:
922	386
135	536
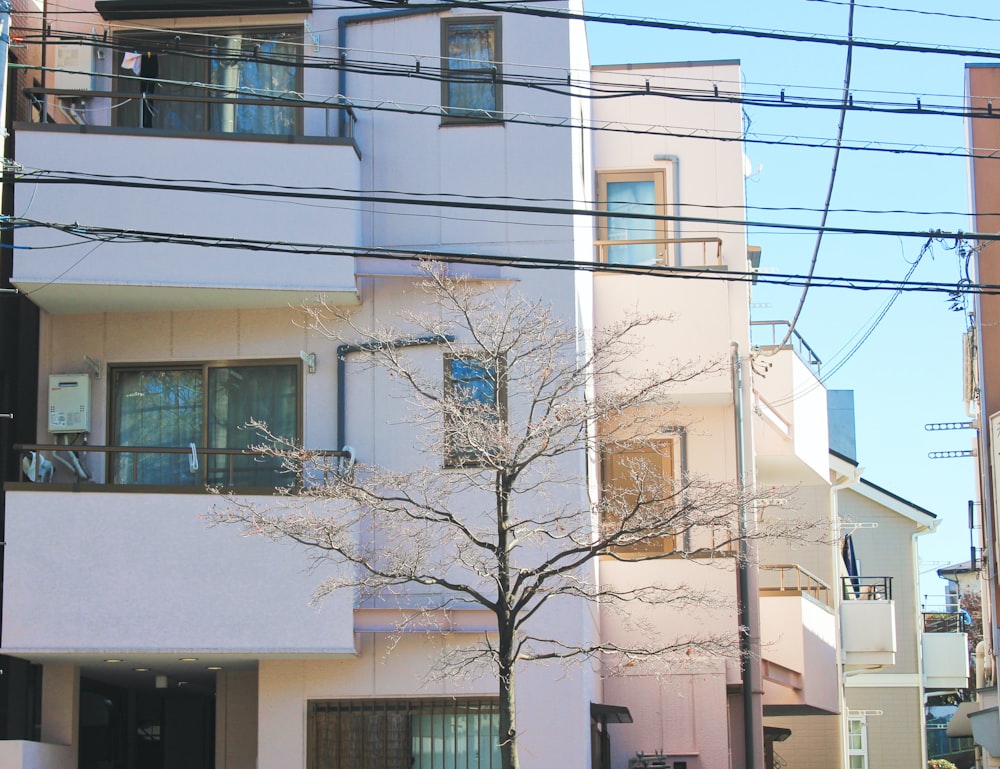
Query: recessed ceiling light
183	683
188	659
214	667
141	670
113	659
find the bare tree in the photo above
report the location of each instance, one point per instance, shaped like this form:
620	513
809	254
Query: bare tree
500	516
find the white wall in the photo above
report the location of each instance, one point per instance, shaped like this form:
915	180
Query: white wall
212	214
103	572
385	668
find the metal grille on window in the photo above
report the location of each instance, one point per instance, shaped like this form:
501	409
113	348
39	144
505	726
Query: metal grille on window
404	734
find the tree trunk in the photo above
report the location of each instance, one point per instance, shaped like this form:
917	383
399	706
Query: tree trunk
508	714
505	628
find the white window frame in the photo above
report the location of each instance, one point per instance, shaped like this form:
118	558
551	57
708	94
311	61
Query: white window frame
861	751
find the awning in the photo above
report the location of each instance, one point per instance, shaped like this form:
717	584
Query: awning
610	714
156	9
776	733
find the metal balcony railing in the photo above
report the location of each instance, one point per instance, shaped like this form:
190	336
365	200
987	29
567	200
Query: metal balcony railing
944	621
159	468
81	107
769	335
665	255
866	588
792	579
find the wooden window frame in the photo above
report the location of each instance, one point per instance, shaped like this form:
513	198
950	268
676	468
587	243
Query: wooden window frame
659	178
669	465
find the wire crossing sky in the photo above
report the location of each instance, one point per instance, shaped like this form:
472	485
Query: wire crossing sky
907	371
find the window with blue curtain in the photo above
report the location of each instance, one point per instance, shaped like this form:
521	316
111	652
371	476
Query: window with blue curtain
474	406
471	64
242	65
624	195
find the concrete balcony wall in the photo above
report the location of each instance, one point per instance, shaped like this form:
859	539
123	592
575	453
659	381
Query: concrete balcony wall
22	754
142	276
868	632
711	585
791	433
699	321
102	572
946	660
799	651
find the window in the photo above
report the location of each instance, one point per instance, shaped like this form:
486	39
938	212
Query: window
404	734
632	192
642	476
474	409
857	742
247	65
209	406
470	63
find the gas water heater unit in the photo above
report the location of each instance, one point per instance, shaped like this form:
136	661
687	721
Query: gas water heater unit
69	403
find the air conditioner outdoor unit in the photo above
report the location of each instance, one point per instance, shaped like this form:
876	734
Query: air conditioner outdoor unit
74	67
69	403
649	762
661	761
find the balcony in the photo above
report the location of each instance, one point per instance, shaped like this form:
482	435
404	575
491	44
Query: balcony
867	622
798	642
130	567
945	651
199	207
791	432
163	469
705	315
687	253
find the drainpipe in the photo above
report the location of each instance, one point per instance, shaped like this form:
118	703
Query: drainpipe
748	588
364	18
676	160
346	349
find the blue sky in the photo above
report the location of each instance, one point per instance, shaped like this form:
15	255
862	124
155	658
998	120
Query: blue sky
909	370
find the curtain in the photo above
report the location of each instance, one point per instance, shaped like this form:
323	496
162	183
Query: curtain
176	407
157	407
638	197
251	65
402	734
471	56
466	740
238	394
254	72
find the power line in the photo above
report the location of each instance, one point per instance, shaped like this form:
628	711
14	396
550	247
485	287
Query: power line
337	50
833	178
914	11
30	171
651	23
607	126
119	235
585	88
264	190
